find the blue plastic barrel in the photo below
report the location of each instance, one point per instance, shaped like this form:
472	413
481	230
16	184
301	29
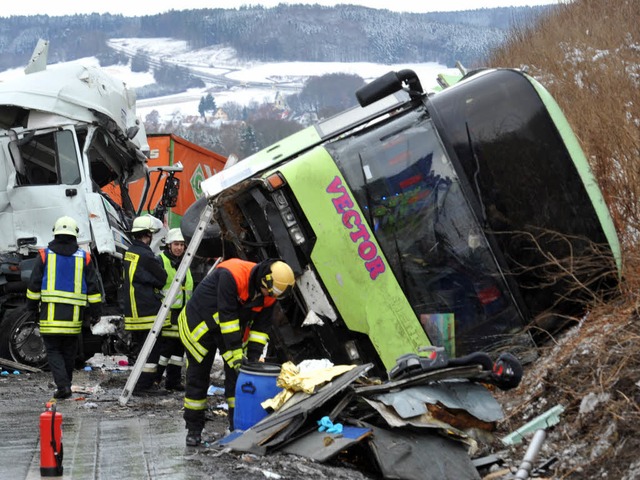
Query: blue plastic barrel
256	383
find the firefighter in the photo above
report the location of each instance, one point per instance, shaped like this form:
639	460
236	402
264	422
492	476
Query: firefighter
171	350
237	296
63	282
141	296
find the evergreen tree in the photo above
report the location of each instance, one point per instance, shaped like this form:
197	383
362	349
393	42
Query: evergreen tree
139	62
202	107
210	103
248	141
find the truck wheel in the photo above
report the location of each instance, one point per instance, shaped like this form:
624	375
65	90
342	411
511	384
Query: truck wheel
20	338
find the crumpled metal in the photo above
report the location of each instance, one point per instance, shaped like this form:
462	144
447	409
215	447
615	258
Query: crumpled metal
292	380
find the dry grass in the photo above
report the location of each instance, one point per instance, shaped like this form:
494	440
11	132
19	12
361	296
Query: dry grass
587	54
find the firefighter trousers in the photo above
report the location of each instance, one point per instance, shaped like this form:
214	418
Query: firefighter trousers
171	358
150	368
198	381
61	355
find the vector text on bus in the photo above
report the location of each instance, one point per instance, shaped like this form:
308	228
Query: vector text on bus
359	235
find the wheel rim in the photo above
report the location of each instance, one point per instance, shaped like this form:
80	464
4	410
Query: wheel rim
26	345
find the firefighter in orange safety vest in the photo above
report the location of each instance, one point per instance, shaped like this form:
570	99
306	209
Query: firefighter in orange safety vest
237	295
63	283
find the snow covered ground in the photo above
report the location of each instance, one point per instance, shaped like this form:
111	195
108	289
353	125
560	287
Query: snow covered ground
247	82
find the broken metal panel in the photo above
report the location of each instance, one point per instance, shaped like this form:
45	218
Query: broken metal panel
276	428
322	446
425	420
457	395
73	91
418	456
471	371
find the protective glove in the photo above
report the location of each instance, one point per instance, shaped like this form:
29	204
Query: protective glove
235	360
326	425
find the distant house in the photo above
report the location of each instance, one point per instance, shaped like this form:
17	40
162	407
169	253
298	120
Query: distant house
221	115
192	119
280	102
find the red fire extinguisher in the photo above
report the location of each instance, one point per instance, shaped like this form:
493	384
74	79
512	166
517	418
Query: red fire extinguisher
50	442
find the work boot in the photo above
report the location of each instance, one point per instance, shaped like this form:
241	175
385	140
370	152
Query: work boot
153	390
194	438
62	393
230	414
178	387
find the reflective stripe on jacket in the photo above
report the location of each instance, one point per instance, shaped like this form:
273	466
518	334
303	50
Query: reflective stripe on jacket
222	303
63	284
186	289
143	278
63	280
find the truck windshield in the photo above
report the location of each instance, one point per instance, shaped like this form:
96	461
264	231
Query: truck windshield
410	194
47	159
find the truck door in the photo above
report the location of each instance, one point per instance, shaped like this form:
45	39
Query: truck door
48	184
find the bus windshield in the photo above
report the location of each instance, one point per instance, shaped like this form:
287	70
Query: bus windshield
411	197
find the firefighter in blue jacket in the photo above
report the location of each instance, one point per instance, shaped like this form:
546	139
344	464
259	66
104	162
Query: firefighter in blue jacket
171	350
141	296
63	282
238	295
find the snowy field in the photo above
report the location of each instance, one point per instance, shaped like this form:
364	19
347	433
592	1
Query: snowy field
248	82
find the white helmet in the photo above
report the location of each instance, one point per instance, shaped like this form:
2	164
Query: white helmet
144	224
174	235
66	226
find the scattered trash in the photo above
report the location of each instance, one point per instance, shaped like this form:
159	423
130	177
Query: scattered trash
547	419
326	425
530	456
108	362
87	368
268	474
450	404
293	379
213	390
591	401
107	325
90	405
86	389
16	372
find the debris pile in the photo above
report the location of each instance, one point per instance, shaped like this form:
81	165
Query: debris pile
425	423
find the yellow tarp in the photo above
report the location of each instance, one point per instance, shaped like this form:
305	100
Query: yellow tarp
292	380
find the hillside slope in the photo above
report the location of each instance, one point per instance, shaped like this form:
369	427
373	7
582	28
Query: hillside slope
588	55
345	33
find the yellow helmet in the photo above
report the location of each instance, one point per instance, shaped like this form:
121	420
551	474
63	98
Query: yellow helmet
144	223
280	280
66	226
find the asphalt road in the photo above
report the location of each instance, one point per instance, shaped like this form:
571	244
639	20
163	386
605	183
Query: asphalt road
145	439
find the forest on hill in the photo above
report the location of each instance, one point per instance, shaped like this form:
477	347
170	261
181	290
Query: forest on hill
344	33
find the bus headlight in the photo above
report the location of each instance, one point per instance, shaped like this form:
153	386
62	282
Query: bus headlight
296	235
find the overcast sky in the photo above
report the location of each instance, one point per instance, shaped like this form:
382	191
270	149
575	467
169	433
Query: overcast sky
148	7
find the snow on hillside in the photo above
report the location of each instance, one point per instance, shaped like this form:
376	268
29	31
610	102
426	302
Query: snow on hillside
248	82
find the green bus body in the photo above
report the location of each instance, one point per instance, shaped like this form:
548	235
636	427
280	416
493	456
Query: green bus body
423	220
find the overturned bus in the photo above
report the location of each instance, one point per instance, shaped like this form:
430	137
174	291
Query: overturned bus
454	219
